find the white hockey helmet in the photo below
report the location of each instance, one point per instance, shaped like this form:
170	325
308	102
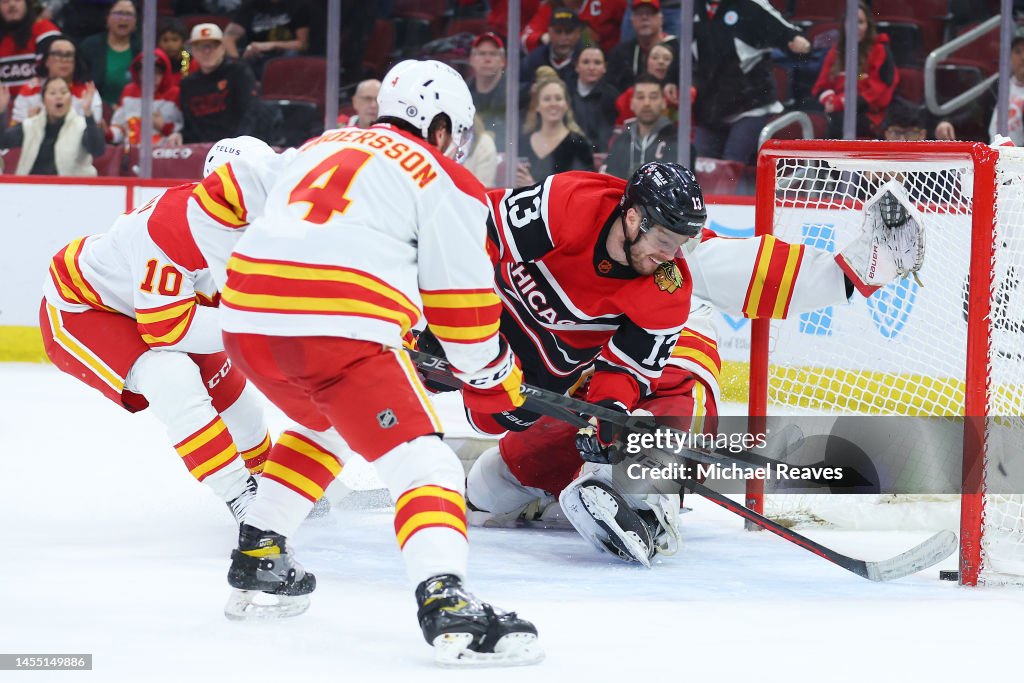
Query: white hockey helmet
417	91
230	149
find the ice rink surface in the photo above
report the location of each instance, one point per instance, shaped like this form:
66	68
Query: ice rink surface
110	548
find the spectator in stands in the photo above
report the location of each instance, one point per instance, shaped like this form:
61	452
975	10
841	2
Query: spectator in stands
497	18
219	100
565	31
672	14
57	56
20	31
56	141
78	19
947	130
167	119
876	79
482	161
487	83
603	18
109	54
270	28
170	37
648	137
551	142
358	19
629	59
593	98
659	61
735	86
364	101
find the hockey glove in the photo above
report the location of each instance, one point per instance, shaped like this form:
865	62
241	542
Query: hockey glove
494	388
889	243
596	442
428	343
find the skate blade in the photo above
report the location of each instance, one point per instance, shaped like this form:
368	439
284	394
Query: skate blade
595	501
451	650
241	606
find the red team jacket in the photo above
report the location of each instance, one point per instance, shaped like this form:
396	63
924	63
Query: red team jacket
566	304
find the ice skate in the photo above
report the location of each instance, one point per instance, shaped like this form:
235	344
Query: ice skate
262	567
240	503
468	633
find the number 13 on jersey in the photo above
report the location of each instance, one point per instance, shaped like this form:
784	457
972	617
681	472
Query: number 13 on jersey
324	188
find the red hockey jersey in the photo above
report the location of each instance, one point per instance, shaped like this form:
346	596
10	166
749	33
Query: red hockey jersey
567	304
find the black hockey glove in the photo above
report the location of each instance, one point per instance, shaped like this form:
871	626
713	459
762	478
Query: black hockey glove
597	443
428	343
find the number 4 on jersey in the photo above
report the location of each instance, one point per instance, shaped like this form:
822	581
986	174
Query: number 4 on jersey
325	185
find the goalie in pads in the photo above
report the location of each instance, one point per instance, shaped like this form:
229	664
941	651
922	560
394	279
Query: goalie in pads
752	277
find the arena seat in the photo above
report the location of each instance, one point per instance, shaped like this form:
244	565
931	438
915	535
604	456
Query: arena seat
109	163
930	16
718	176
10	160
184	163
982	53
300	122
911	85
296	78
378	57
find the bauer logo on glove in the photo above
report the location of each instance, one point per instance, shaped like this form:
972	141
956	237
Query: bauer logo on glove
889	243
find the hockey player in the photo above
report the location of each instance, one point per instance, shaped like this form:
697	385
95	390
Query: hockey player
132	313
756	277
365	232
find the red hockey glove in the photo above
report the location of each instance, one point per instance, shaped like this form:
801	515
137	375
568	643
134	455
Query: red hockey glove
494	388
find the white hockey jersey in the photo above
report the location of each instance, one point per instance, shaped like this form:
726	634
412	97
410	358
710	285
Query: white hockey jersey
224	204
365	232
756	277
166	287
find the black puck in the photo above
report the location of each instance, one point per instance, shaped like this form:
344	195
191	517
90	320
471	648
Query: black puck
949	575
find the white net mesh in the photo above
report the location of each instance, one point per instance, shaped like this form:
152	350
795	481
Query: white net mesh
903	351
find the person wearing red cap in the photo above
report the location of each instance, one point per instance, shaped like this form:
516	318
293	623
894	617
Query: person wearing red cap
487	84
604	19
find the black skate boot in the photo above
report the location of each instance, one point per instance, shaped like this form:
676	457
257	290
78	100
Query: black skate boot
467	632
240	503
263	564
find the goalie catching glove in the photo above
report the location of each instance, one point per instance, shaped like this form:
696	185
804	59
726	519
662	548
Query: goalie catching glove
889	243
496	387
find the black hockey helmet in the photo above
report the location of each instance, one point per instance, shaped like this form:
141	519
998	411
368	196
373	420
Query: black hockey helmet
667	194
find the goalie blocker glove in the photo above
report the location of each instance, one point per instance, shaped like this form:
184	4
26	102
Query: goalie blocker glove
889	243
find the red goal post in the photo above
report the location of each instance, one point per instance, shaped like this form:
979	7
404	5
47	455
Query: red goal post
811	191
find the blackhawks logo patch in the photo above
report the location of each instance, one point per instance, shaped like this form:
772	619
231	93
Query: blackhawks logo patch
667	277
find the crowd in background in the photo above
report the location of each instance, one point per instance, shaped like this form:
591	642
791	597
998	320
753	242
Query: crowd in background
598	83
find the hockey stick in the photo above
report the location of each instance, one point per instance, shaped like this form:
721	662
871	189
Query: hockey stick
560	406
926	554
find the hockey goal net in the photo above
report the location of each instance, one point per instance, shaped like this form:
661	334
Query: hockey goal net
950	347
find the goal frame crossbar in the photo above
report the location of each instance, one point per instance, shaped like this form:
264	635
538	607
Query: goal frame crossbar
983	159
